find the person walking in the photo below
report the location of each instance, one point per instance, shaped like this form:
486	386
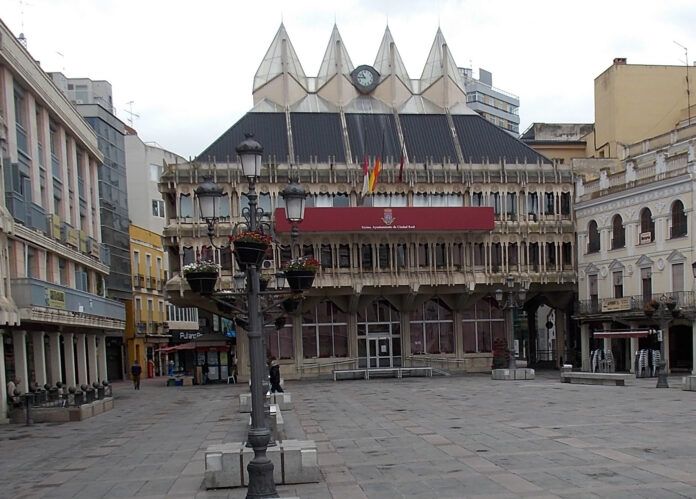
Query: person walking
136	371
274	375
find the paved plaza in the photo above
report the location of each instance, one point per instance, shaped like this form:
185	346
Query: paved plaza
459	436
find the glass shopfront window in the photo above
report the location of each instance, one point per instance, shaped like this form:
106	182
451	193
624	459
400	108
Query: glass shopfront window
379	335
481	324
432	329
325	331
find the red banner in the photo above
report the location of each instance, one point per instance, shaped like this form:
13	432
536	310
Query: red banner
364	219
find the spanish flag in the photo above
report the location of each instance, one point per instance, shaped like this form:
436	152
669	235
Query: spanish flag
375	173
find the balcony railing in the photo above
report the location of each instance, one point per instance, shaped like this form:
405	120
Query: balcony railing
636	303
28	292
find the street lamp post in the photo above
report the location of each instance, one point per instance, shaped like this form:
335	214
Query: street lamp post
261	483
509	299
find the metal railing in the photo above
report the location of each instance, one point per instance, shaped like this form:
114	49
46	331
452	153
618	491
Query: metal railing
638	303
330	366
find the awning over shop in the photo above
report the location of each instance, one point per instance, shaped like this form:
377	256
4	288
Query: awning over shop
183	346
640	333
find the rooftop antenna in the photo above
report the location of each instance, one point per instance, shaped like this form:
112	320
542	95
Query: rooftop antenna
22	39
688	89
130	112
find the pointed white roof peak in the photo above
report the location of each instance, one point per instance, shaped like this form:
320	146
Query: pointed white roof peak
278	60
440	63
383	61
336	59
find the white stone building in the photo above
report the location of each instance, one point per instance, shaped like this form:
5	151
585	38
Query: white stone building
636	241
56	264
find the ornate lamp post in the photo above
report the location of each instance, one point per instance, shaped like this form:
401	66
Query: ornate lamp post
261	483
509	299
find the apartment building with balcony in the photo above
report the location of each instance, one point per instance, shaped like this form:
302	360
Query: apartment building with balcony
408	274
635	253
56	259
497	106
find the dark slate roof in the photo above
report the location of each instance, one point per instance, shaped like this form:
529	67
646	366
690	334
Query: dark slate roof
481	141
317	135
268	128
373	135
428	136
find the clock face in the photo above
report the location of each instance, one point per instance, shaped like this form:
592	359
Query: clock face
365	77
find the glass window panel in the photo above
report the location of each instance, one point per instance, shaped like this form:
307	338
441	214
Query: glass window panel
325	341
469	333
309	342
483	330
340	334
446	337
417	345
431	337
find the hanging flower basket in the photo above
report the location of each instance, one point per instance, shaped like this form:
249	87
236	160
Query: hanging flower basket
201	276
299	273
291	305
263	283
671	304
250	248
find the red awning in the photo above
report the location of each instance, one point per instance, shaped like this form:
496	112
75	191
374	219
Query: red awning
397	219
642	333
183	346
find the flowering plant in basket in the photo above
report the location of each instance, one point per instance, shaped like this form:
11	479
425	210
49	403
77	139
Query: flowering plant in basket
305	263
251	236
200	266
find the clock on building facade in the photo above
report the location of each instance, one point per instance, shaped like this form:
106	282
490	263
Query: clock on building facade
365	78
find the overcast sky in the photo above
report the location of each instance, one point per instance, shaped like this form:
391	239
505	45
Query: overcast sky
189	66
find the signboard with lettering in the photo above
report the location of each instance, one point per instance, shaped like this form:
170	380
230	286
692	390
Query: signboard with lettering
616	304
645	237
397	219
55	298
73	238
54	226
83	241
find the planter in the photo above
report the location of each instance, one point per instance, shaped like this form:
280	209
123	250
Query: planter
202	282
263	284
299	280
248	253
671	305
291	305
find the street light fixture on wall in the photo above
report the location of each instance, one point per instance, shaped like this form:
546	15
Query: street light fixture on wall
261	483
509	299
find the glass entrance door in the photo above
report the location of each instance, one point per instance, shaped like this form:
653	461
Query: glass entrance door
379	352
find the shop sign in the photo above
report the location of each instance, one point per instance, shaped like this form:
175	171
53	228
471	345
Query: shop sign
616	304
55	298
189	335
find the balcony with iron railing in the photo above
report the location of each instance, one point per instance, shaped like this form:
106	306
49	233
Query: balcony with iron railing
637	304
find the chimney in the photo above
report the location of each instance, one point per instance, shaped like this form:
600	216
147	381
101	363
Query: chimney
619	60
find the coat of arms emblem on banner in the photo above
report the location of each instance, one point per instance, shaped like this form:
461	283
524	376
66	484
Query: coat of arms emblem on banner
388	217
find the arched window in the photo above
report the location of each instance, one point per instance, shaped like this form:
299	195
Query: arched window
647	226
592	237
618	233
678	220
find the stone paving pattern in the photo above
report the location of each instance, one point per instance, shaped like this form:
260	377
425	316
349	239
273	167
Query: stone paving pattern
454	437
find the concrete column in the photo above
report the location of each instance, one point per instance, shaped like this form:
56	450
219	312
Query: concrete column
352	334
101	361
81	360
54	355
39	357
458	335
405	334
297	340
69	356
585	346
693	347
3	381
19	342
633	349
92	356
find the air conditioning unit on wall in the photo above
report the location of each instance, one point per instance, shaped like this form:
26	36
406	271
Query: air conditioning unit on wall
267	264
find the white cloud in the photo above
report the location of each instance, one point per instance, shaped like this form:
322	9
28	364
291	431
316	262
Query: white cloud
189	66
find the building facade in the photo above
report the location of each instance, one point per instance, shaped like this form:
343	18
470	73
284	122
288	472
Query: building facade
635	254
57	262
497	106
144	165
410	276
147	332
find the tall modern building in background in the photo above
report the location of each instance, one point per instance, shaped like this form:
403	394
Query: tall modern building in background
93	101
497	106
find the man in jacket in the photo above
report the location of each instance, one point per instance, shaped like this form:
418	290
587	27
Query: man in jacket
136	371
274	375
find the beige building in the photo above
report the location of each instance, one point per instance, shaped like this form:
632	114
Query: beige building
635	254
56	263
408	274
636	101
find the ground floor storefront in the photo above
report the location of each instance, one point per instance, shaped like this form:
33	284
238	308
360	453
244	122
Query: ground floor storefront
452	332
205	358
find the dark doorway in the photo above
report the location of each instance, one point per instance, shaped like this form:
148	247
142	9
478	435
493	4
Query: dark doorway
680	348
